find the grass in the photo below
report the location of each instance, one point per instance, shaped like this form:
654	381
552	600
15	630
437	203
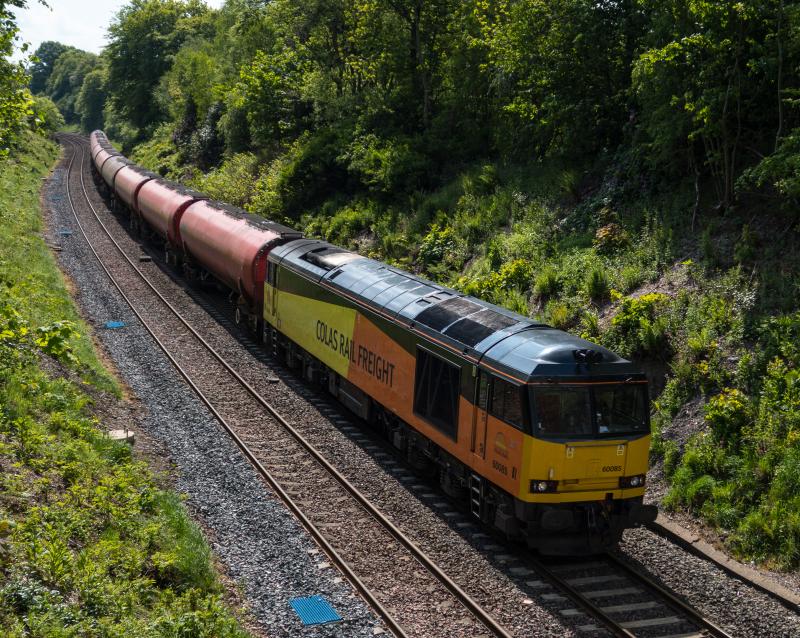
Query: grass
27	267
90	545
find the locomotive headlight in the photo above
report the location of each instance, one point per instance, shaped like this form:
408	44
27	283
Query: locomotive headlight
631	481
539	487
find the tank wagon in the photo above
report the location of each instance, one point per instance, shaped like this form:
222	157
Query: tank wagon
543	435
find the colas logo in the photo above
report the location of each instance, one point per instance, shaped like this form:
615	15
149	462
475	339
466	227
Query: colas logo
500	445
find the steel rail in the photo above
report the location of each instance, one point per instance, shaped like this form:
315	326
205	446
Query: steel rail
466	600
662	594
588	606
673	600
287	500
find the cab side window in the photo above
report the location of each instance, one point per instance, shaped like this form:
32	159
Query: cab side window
506	403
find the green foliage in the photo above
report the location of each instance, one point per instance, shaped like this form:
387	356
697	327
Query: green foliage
89	544
514	275
15	99
33	287
43	62
143	38
742	472
638	327
233	182
158	153
611	238
597	286
778	172
546	283
46	116
385	166
300	178
91	100
66	80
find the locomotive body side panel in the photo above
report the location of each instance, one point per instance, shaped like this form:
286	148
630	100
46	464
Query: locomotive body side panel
379	357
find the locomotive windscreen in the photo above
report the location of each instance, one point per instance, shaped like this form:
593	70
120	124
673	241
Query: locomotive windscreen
587	411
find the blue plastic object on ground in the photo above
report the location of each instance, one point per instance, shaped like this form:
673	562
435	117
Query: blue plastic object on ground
113	325
314	610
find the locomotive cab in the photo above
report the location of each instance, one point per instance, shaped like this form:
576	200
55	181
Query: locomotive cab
579	441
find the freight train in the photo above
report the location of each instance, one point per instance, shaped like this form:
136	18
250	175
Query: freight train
542	435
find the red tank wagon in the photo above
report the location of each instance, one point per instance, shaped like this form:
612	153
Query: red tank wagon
160	205
232	245
110	167
129	181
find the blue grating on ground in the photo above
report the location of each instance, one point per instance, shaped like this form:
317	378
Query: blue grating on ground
314	610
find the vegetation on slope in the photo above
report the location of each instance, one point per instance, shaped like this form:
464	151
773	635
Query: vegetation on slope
625	170
89	544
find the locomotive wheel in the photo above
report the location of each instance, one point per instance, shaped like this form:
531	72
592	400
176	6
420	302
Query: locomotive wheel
237	317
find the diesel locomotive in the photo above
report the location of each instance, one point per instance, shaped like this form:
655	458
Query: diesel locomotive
542	435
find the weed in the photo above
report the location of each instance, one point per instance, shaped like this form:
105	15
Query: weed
597	285
546	283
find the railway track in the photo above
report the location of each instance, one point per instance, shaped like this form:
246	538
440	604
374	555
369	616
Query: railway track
641	609
619	599
401	582
622	600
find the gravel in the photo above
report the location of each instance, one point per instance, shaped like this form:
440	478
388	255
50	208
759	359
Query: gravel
741	610
261	545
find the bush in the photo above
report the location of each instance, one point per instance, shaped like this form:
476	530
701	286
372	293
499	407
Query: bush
385	165
597	285
234	182
439	244
546	283
300	178
558	314
637	330
699	491
610	239
727	414
346	224
46	116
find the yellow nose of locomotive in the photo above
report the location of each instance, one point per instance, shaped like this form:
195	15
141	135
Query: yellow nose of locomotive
585	470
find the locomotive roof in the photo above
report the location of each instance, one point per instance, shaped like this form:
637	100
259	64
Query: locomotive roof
505	341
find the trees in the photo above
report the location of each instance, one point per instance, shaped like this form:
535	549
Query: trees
66	80
44	60
562	69
144	38
712	86
91	100
15	98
